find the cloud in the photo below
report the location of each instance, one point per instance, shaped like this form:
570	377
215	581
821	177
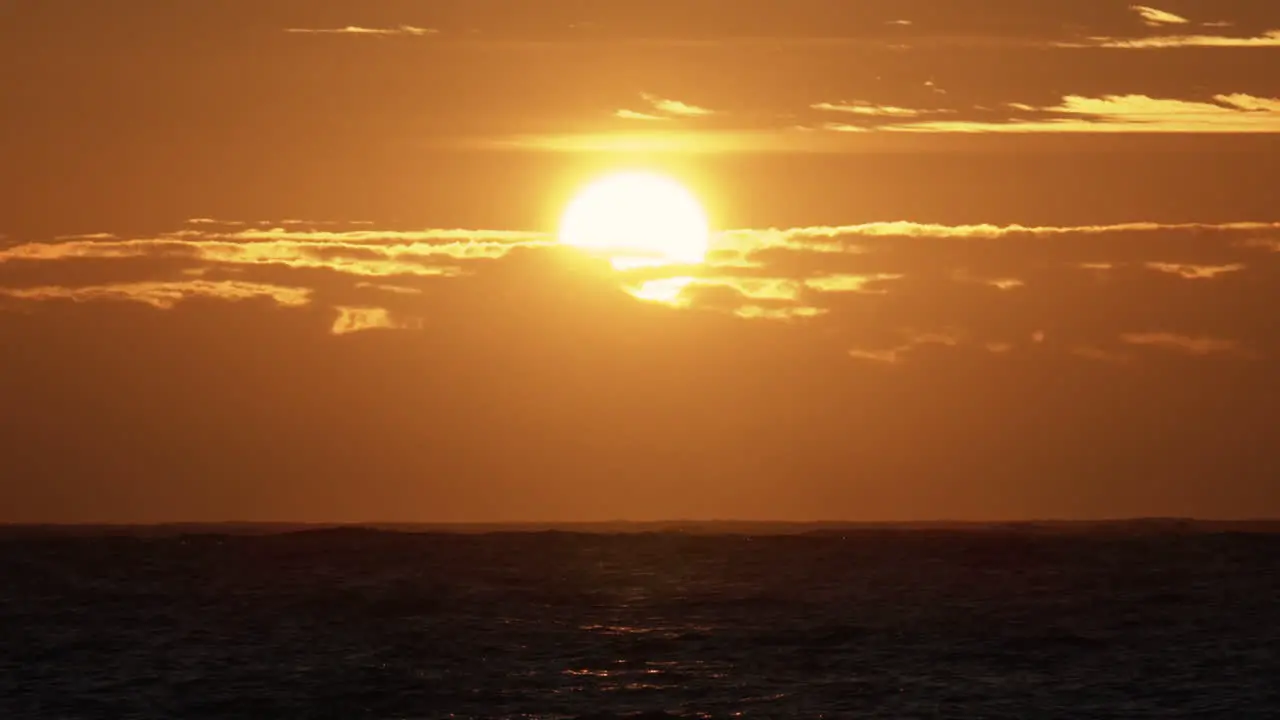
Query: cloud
819	237
385	287
862	108
1183	343
747	292
633	115
415	252
358	252
1224	113
778	313
374	253
1157	18
914	341
664	109
273	223
676	107
1270	38
1193	272
985	285
1095	353
680	142
356	319
409	30
870	126
850	283
166	294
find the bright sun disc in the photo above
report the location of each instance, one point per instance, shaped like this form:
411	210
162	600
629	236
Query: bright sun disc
637	219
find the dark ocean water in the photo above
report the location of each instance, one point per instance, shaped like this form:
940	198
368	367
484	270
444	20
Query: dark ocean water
873	624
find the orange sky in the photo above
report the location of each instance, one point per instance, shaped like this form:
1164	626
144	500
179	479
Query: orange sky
295	260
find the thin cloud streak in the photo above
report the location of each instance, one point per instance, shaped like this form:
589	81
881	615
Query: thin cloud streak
898	353
775	237
357	252
676	107
1195	272
1157	18
409	30
679	290
759	312
1227	113
273	223
1270	38
663	109
633	115
867	124
1183	343
863	108
441	252
687	142
165	295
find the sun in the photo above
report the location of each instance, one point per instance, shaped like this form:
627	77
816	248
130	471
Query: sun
637	219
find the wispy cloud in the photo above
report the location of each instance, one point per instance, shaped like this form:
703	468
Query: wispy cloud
976	280
367	31
356	319
1157	18
1270	38
1223	113
634	115
863	108
273	223
842	283
676	107
676	290
1091	352
778	313
1183	343
1195	272
913	341
358	252
777	237
166	294
664	109
385	287
676	142
373	253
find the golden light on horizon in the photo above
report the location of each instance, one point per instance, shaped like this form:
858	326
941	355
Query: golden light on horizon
637	219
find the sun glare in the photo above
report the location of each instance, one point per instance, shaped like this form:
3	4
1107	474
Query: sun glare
637	219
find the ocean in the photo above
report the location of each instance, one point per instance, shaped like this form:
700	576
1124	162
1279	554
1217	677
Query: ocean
1108	621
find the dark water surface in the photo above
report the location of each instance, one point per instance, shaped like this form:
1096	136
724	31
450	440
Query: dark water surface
872	624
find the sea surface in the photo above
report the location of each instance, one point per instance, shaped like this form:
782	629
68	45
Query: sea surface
1021	622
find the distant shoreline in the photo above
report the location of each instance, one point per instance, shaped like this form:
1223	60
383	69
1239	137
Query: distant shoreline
690	527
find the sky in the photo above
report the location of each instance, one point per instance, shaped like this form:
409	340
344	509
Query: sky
296	260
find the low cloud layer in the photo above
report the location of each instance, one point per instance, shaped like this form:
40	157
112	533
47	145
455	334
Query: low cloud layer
914	275
164	295
407	30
